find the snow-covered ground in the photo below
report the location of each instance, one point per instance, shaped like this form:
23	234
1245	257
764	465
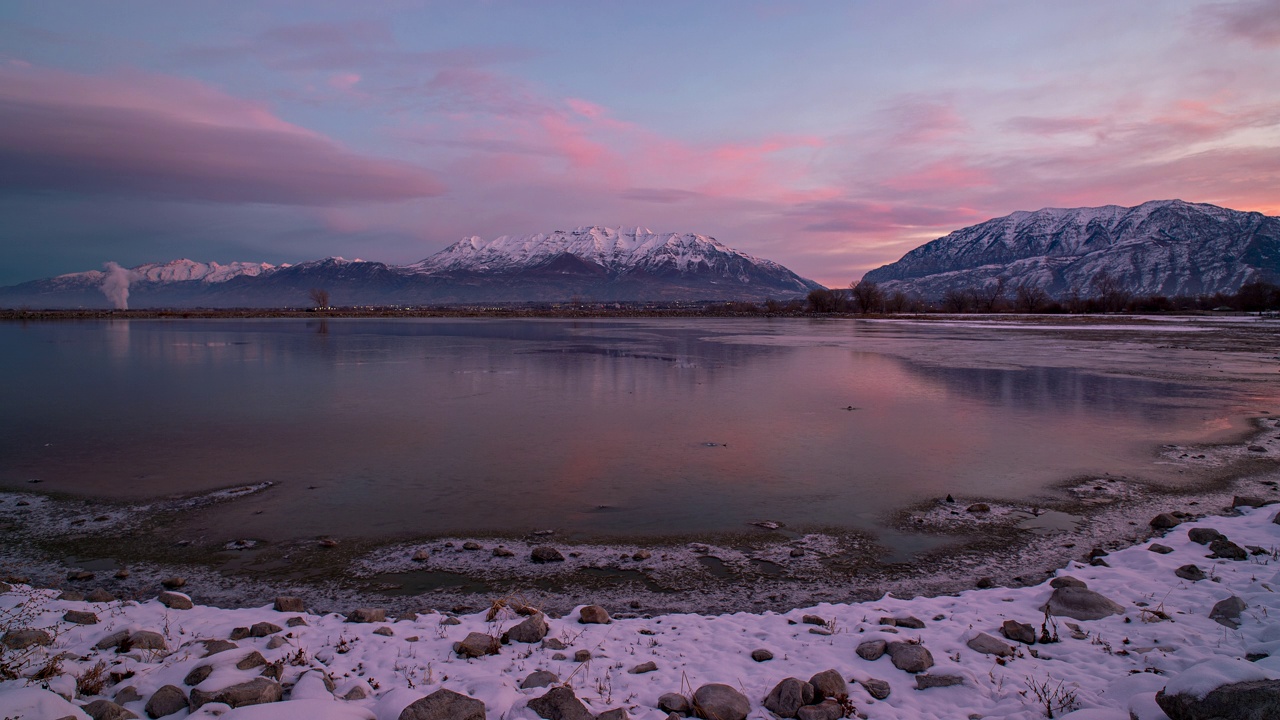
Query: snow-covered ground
1162	636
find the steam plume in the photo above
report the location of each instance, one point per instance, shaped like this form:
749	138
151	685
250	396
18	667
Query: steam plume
116	285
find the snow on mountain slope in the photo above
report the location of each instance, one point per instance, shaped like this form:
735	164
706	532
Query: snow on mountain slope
178	271
1165	247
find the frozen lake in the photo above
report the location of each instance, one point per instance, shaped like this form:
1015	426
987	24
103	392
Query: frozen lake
598	429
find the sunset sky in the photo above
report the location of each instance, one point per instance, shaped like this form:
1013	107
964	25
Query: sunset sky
829	136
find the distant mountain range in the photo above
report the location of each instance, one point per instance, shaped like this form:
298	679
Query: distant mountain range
1165	247
591	263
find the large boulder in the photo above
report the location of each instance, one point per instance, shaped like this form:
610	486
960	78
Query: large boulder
1204	536
989	645
1221	689
25	638
81	617
910	657
444	705
1020	632
367	615
825	710
539	679
107	710
254	692
146	640
560	703
1227	612
545	554
1223	548
175	600
1081	604
716	701
674	703
477	644
289	604
166	701
829	684
531	630
788	696
593	615
871	649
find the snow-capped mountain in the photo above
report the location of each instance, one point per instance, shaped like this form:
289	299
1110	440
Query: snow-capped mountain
1164	247
592	263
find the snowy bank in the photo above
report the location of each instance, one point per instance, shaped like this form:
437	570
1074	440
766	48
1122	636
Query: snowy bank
167	657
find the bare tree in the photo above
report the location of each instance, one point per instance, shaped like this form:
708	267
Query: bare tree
319	297
896	302
956	300
867	296
990	296
1029	298
1110	292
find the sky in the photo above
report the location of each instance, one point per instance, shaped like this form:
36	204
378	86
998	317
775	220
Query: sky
831	137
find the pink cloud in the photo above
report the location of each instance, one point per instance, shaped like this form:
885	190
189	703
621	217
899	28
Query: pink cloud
158	136
1255	21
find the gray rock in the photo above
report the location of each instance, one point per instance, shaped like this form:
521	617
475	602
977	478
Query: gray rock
532	629
1160	549
421	555
1164	521
910	657
80	617
356	693
871	649
761	655
166	701
78	575
472	545
98	595
239	633
450	621
173	583
274	670
257	691
1190	572
614	714
716	701
559	703
788	696
367	615
276	643
545	554
25	638
114	640
263	629
1066	581
502	552
296	622
1227	550
554	644
1257	448
1253	700
924	682
1250	501
146	640
878	689
829	684
1227	612
989	645
814	620
198	675
175	601
674	703
444	705
107	710
477	644
289	604
825	710
644	667
251	661
384	631
539	678
71	596
1081	604
1020	632
582	656
1204	536
593	615
910	622
978	508
213	647
127	694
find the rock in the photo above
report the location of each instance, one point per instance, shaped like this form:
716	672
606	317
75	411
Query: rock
407	616
175	601
559	703
289	604
1164	521
198	675
79	575
472	545
107	710
674	703
1190	572
384	631
477	644
450	621
1204	536
1020	632
761	655
251	661
814	620
239	633
614	714
829	684
421	555
263	629
878	689
444	705
1251	700
924	682
1250	501
146	640
545	554
127	694
98	595
985	582
277	642
296	622
871	649
978	508
1227	550
716	701
1257	449
114	640
788	696
367	615
1227	612
909	657
797	552
825	710
1066	581
539	678
582	656
356	693
989	645
254	692
80	618
71	596
502	552
1081	604
166	701
910	622
1161	549
173	583
554	644
593	615
274	671
644	667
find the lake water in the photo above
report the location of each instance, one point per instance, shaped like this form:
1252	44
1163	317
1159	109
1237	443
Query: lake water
389	428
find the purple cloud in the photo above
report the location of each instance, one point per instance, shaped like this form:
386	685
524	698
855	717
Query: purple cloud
1255	21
